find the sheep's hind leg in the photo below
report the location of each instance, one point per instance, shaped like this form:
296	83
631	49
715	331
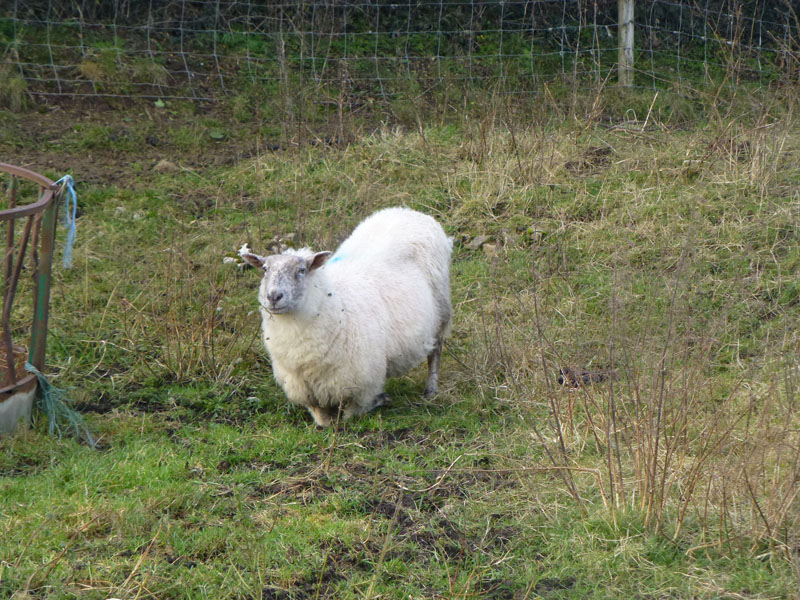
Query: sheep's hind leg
432	385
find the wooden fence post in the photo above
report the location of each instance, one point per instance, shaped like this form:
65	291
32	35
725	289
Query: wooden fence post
625	34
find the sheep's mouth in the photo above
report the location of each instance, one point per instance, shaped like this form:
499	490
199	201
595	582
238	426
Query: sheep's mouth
277	310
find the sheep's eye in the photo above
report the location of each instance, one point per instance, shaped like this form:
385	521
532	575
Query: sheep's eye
301	271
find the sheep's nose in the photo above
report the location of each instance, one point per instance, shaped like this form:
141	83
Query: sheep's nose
275	297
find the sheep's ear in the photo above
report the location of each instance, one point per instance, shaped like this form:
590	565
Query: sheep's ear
254	259
319	259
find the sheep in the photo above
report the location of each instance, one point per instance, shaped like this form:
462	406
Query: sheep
336	326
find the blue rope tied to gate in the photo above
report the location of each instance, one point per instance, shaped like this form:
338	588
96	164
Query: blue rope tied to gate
54	403
70	215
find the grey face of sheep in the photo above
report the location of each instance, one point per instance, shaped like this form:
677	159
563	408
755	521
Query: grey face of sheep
284	284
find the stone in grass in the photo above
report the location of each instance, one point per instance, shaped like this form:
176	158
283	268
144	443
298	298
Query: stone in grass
234	258
165	166
477	242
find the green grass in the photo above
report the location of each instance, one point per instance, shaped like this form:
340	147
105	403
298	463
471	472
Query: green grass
664	251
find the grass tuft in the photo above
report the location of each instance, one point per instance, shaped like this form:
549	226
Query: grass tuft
13	89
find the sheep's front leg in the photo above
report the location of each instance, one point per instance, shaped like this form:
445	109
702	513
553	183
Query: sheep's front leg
432	385
297	392
323	416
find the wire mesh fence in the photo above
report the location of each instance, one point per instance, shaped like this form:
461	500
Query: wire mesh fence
204	49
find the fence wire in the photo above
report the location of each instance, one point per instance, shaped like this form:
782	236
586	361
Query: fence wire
204	49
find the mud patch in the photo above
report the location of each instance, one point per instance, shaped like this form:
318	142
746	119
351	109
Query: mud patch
498	589
314	586
24	466
553	584
381	440
392	511
124	149
361	556
433	540
439	535
304	490
445	487
119	143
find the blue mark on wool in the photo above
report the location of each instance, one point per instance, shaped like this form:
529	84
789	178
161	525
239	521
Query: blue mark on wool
70	214
336	259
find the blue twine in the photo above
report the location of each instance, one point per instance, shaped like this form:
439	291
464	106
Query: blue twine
68	220
54	403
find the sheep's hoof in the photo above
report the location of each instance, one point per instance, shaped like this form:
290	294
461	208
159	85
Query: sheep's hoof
430	391
381	400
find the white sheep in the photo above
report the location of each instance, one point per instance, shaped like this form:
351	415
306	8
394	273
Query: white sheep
336	326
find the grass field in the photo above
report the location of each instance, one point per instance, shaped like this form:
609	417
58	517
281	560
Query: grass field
658	246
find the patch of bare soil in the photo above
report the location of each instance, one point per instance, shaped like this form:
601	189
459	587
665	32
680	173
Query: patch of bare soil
305	588
34	139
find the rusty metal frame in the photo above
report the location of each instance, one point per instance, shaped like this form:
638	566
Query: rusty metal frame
42	220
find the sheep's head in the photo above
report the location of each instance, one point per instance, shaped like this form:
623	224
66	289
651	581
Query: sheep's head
284	284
